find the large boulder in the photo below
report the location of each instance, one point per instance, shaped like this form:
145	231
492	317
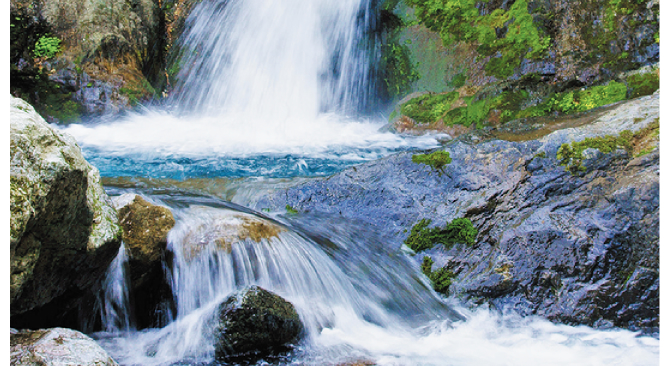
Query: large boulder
63	230
577	246
54	347
145	229
255	322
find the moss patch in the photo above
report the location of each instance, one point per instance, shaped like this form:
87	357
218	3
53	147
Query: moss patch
436	160
441	279
643	84
422	237
428	108
507	35
291	210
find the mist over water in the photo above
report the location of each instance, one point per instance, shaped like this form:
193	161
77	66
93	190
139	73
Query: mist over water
258	80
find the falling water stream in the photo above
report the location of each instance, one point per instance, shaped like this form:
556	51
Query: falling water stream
272	90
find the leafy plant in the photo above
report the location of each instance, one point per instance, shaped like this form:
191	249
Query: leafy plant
47	47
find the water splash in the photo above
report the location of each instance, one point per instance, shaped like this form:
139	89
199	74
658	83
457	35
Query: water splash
359	300
276	82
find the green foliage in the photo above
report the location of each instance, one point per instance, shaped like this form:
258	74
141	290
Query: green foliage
428	108
399	72
643	84
441	279
458	80
47	47
461	21
291	210
436	160
570	155
583	100
422	237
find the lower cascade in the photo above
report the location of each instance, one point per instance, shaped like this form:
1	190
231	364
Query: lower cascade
357	300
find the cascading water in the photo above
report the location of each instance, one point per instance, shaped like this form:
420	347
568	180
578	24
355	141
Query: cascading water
359	301
271	89
266	88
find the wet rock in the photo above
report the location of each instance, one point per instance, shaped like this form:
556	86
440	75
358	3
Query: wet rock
256	323
224	228
63	229
145	230
57	346
576	248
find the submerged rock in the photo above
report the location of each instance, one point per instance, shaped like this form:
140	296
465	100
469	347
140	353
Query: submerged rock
256	323
577	247
63	229
54	347
145	230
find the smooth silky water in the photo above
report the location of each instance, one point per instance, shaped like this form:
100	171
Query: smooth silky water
269	93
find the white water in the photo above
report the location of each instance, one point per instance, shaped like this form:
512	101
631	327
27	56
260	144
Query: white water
358	301
259	77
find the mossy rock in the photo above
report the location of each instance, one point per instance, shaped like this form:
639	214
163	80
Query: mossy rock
256	323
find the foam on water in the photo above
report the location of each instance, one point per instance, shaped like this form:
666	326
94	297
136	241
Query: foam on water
359	301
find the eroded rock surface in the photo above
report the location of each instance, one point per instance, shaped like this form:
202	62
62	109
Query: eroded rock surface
580	248
63	229
55	347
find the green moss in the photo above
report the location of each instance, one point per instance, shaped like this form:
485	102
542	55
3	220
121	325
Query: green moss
643	84
441	279
62	107
458	80
399	72
570	155
428	108
138	91
461	21
422	237
47	47
291	210
436	160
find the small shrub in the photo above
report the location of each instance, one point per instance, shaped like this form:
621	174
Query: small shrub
47	47
436	160
459	230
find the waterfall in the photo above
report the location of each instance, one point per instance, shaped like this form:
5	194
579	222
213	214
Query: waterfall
115	300
288	59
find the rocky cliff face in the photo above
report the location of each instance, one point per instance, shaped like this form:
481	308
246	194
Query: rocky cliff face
565	231
63	229
500	57
89	58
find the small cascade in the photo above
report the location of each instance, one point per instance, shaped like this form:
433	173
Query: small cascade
115	299
358	299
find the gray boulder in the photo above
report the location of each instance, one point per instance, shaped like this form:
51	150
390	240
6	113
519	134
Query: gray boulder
576	248
63	229
55	347
256	323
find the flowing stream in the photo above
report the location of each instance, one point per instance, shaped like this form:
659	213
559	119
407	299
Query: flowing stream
274	90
